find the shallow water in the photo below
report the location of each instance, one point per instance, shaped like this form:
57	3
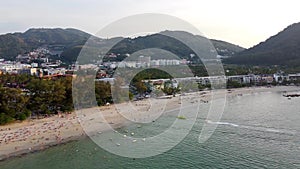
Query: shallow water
259	130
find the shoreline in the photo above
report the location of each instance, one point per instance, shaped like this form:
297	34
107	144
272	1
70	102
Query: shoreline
25	152
31	136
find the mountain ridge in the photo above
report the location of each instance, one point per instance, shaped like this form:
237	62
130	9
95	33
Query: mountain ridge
72	40
282	48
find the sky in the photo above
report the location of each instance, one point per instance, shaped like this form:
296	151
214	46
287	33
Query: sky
242	22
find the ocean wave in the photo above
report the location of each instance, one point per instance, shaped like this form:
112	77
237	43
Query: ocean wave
222	123
256	128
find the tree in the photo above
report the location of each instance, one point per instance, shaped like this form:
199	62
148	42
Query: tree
46	96
103	93
67	103
140	87
170	88
56	95
39	92
12	105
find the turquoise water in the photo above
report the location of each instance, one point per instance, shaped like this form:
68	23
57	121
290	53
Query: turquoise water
256	131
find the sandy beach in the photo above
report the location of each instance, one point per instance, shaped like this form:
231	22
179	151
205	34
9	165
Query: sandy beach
35	135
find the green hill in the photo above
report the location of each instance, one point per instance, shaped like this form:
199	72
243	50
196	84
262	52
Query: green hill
19	43
72	40
226	49
170	44
280	49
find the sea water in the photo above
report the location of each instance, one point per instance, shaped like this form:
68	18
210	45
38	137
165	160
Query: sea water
256	131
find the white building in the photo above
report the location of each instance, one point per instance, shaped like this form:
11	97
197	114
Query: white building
294	77
13	67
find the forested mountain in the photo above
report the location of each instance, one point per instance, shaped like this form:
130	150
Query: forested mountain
19	43
72	40
280	49
226	49
161	41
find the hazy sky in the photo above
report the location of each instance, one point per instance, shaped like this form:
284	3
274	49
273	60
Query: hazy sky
242	22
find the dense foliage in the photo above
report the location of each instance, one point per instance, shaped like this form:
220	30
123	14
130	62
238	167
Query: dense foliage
13	105
22	96
231	70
